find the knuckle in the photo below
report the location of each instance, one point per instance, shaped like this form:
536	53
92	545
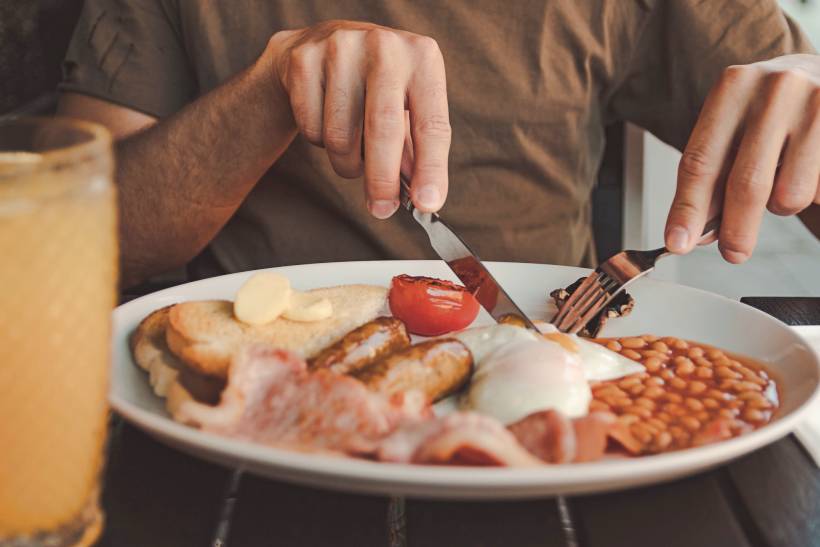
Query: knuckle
382	185
434	127
736	74
748	183
386	121
382	39
694	163
339	42
788	199
684	208
338	140
426	46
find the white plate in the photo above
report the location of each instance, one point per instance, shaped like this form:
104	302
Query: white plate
662	308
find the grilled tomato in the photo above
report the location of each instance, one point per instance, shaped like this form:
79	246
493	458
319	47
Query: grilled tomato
429	306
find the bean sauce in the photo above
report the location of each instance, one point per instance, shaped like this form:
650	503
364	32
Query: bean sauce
690	394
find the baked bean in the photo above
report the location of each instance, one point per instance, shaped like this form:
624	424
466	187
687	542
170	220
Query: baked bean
646	403
728	412
628	382
621	402
667	374
752	415
726	372
639	411
690	422
611	390
636	390
695	352
631	354
704	373
628	419
728	385
681	344
663	440
701	362
746	386
613	345
673	397
640	432
664	416
697	387
669	340
685	368
658	424
694	404
714	354
703	416
734	404
718	394
595	406
674	409
633	343
649	337
652	353
653	392
653	364
660	346
709	403
762	403
654	381
677	383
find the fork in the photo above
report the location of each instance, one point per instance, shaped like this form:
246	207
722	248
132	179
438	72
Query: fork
609	279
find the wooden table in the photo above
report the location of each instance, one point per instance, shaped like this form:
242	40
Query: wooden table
156	496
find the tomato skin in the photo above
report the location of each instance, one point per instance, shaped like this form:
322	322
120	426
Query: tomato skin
429	306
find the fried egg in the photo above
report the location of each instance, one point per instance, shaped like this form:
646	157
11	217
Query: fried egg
518	371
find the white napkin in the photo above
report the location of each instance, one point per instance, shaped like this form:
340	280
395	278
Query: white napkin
808	432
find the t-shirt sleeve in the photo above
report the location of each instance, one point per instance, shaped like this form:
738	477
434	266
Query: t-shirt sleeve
684	47
132	54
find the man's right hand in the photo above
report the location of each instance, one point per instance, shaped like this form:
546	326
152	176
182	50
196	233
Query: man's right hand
350	85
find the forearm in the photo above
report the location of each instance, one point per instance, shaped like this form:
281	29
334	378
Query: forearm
181	180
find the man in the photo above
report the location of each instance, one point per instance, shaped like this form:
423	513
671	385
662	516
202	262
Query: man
221	108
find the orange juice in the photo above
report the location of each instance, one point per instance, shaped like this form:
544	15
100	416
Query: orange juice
57	290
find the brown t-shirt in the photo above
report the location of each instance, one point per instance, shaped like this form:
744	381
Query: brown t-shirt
531	86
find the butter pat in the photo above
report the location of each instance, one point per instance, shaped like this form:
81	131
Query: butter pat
262	299
307	307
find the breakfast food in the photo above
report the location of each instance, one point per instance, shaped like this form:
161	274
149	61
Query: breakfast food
436	368
355	383
362	346
205	334
262	298
690	395
431	307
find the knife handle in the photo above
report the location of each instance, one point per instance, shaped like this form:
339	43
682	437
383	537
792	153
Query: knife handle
404	193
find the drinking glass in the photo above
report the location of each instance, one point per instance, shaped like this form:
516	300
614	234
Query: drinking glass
58	275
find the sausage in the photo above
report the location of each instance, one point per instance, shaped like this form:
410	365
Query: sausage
362	346
435	367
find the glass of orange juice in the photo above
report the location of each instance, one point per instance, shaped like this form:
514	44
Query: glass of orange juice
58	275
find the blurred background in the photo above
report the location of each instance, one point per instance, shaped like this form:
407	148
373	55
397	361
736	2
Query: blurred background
636	181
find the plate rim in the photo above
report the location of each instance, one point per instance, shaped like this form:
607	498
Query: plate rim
476	480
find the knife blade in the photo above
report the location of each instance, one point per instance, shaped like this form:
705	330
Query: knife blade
464	262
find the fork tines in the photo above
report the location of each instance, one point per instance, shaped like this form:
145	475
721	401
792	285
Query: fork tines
587	300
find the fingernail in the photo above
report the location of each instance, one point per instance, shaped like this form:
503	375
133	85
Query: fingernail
383	208
429	197
677	238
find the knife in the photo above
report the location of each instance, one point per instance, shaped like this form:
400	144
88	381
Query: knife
464	262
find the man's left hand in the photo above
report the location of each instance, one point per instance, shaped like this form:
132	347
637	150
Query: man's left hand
756	145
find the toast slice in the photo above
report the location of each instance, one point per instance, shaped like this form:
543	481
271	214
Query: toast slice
151	352
205	334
